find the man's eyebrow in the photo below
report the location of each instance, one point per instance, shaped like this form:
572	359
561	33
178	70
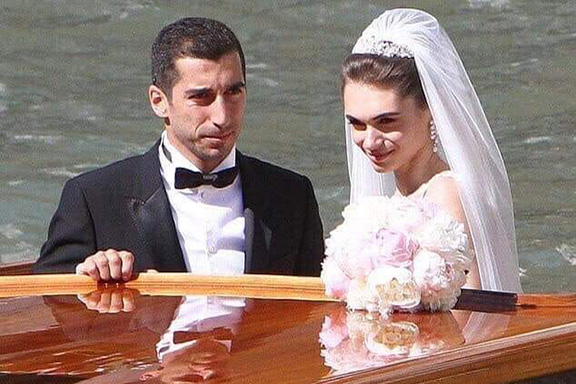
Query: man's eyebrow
196	91
201	90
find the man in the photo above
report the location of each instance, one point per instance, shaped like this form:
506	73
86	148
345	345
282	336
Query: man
192	202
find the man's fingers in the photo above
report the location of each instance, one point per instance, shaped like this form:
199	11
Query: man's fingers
116	302
104	303
88	268
90	300
114	264
84	298
127	259
108	265
103	266
93	300
128	301
110	300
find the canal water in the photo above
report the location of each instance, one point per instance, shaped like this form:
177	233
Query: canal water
74	75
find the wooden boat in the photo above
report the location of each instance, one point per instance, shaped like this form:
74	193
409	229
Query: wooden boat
60	329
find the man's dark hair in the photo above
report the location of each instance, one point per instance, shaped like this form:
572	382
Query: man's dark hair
195	37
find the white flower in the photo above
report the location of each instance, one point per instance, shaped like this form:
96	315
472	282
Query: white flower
443	233
406	215
438	281
447	237
345	245
371	256
335	281
360	297
369	213
394	287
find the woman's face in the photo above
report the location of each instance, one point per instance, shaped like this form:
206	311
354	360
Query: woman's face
391	130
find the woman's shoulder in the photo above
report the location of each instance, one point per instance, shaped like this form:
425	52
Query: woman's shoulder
442	183
439	183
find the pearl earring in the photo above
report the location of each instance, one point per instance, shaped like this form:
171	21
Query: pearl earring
433	136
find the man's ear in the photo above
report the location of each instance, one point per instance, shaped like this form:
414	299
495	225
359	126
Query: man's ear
158	101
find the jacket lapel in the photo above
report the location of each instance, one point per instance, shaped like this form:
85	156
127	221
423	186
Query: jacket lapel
150	210
257	234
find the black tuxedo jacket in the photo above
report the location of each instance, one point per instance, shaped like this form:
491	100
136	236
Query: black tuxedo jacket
124	206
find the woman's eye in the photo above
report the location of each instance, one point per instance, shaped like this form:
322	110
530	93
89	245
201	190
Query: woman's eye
357	125
385	121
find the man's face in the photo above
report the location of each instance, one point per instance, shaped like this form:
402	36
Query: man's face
204	116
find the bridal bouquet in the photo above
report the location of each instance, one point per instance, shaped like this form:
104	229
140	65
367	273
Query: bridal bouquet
396	254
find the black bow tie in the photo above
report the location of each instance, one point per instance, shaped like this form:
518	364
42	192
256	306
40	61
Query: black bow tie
186	178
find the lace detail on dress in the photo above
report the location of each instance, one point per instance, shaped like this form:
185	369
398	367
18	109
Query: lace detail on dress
421	192
424	187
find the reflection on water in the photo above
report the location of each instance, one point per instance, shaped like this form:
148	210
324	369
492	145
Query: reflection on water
75	73
358	340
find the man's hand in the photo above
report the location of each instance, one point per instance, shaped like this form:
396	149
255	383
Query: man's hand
108	265
111	300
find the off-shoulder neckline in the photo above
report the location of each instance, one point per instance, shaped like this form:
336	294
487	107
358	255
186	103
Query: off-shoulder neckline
423	189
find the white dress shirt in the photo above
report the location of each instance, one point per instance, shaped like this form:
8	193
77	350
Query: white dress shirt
209	221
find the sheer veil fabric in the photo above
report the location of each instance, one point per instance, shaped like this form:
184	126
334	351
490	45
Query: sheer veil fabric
466	142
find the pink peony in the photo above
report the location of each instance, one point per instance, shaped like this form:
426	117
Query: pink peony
345	246
335	281
381	233
392	248
431	271
438	281
407	215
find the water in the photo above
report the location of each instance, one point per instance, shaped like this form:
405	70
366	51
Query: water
74	74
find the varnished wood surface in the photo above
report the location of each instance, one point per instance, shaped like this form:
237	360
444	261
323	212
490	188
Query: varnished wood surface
249	286
170	284
14	283
21	268
277	341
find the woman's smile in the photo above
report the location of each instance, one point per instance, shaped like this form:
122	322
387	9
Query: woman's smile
378	157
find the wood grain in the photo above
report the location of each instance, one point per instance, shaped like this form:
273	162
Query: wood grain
249	286
276	341
173	284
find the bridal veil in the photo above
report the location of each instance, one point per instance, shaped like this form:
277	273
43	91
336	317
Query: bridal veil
466	140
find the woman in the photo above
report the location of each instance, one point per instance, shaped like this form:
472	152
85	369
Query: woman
416	127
